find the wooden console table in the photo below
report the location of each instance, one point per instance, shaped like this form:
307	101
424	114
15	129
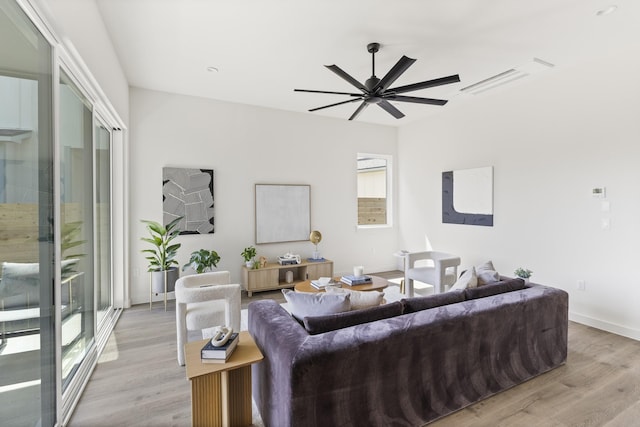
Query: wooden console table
221	392
273	275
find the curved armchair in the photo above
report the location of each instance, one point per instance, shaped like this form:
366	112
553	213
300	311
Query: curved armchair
443	272
203	301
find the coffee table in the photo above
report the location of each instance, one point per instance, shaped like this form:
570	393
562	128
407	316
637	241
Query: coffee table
377	284
221	392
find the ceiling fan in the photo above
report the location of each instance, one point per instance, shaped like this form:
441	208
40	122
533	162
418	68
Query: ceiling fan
377	91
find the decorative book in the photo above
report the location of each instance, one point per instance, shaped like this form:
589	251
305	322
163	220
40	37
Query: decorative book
353	280
211	354
322	282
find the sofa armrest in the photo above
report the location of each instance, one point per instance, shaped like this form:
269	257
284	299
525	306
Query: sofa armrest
279	337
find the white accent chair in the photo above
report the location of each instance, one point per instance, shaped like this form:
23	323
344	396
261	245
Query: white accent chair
442	271
204	301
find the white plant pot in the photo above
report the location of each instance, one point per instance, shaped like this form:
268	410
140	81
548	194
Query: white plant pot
249	264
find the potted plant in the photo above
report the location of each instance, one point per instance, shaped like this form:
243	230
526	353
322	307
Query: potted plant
249	254
523	273
162	262
202	260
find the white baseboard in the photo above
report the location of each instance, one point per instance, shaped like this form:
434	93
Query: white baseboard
605	326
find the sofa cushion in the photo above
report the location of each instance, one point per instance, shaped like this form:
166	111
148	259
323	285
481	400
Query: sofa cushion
303	304
359	299
411	305
487	273
468	279
494	288
331	322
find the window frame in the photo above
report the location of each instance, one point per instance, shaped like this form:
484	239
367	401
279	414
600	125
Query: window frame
389	189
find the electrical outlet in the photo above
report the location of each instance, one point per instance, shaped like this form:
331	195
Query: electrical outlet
581	285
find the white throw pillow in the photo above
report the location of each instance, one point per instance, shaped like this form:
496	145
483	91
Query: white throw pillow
487	273
303	304
359	299
468	279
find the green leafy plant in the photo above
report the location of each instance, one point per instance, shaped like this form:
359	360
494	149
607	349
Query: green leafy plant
162	256
248	253
69	240
202	260
523	273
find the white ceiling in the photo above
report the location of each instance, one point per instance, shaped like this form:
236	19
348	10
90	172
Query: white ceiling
266	48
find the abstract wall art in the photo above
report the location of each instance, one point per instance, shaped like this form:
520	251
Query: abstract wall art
467	196
283	213
188	193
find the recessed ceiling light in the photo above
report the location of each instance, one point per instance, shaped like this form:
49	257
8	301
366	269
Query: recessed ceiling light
607	10
212	69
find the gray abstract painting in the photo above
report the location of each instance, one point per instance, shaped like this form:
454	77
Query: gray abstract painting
188	193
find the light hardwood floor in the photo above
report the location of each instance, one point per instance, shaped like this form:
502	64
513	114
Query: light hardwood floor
138	382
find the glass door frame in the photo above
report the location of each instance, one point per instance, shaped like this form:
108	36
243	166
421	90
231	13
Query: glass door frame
98	121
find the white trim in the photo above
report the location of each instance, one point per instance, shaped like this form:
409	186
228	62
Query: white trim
605	326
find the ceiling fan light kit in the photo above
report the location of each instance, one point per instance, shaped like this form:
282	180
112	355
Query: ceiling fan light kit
377	91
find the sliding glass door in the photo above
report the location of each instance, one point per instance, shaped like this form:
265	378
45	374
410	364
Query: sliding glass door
27	220
77	234
56	285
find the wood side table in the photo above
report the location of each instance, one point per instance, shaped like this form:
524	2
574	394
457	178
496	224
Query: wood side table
221	392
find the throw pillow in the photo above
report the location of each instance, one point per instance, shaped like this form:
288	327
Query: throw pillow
487	273
303	304
494	289
19	278
331	322
411	305
468	279
359	299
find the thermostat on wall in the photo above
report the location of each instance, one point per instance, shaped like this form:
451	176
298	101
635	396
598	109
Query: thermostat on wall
599	192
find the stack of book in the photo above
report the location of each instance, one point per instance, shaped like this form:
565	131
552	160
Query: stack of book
211	354
353	280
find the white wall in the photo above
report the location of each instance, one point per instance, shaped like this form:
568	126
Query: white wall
247	145
550	140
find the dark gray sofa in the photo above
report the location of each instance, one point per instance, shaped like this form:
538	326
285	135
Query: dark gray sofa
409	369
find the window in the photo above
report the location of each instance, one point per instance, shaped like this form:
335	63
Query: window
374	189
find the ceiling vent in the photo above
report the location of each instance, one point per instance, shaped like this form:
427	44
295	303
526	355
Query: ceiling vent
511	75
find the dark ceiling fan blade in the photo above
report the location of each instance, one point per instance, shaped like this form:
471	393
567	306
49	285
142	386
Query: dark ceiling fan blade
386	106
428	83
337	103
417	100
347	77
326	91
401	66
359	110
